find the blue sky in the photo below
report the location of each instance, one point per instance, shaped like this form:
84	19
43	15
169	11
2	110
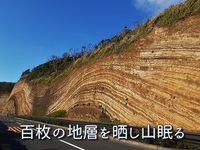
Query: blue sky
33	30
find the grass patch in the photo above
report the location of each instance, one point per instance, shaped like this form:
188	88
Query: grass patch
59	113
105	120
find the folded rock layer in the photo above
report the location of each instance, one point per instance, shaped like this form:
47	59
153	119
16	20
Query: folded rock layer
155	81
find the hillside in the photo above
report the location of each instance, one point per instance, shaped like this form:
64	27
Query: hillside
58	68
154	80
6	87
5	90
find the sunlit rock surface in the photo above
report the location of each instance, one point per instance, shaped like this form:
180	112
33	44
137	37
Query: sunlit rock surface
156	81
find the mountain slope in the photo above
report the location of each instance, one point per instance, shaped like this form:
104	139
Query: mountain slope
155	81
5	90
55	70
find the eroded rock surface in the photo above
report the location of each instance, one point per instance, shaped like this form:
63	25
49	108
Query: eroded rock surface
3	100
156	81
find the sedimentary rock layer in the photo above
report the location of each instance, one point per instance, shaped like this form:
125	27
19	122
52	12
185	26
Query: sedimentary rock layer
3	99
155	81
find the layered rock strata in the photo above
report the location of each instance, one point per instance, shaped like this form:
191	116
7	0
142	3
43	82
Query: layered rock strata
155	81
3	100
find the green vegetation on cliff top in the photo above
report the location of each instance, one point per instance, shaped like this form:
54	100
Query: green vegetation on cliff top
59	113
57	68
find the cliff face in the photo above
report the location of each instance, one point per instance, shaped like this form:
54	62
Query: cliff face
24	99
3	100
5	90
156	81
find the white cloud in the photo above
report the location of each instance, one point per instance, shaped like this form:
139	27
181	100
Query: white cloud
155	6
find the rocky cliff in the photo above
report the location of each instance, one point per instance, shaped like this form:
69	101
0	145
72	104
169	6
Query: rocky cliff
3	100
5	90
155	81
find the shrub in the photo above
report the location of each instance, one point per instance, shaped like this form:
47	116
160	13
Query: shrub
179	145
105	120
6	87
59	113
